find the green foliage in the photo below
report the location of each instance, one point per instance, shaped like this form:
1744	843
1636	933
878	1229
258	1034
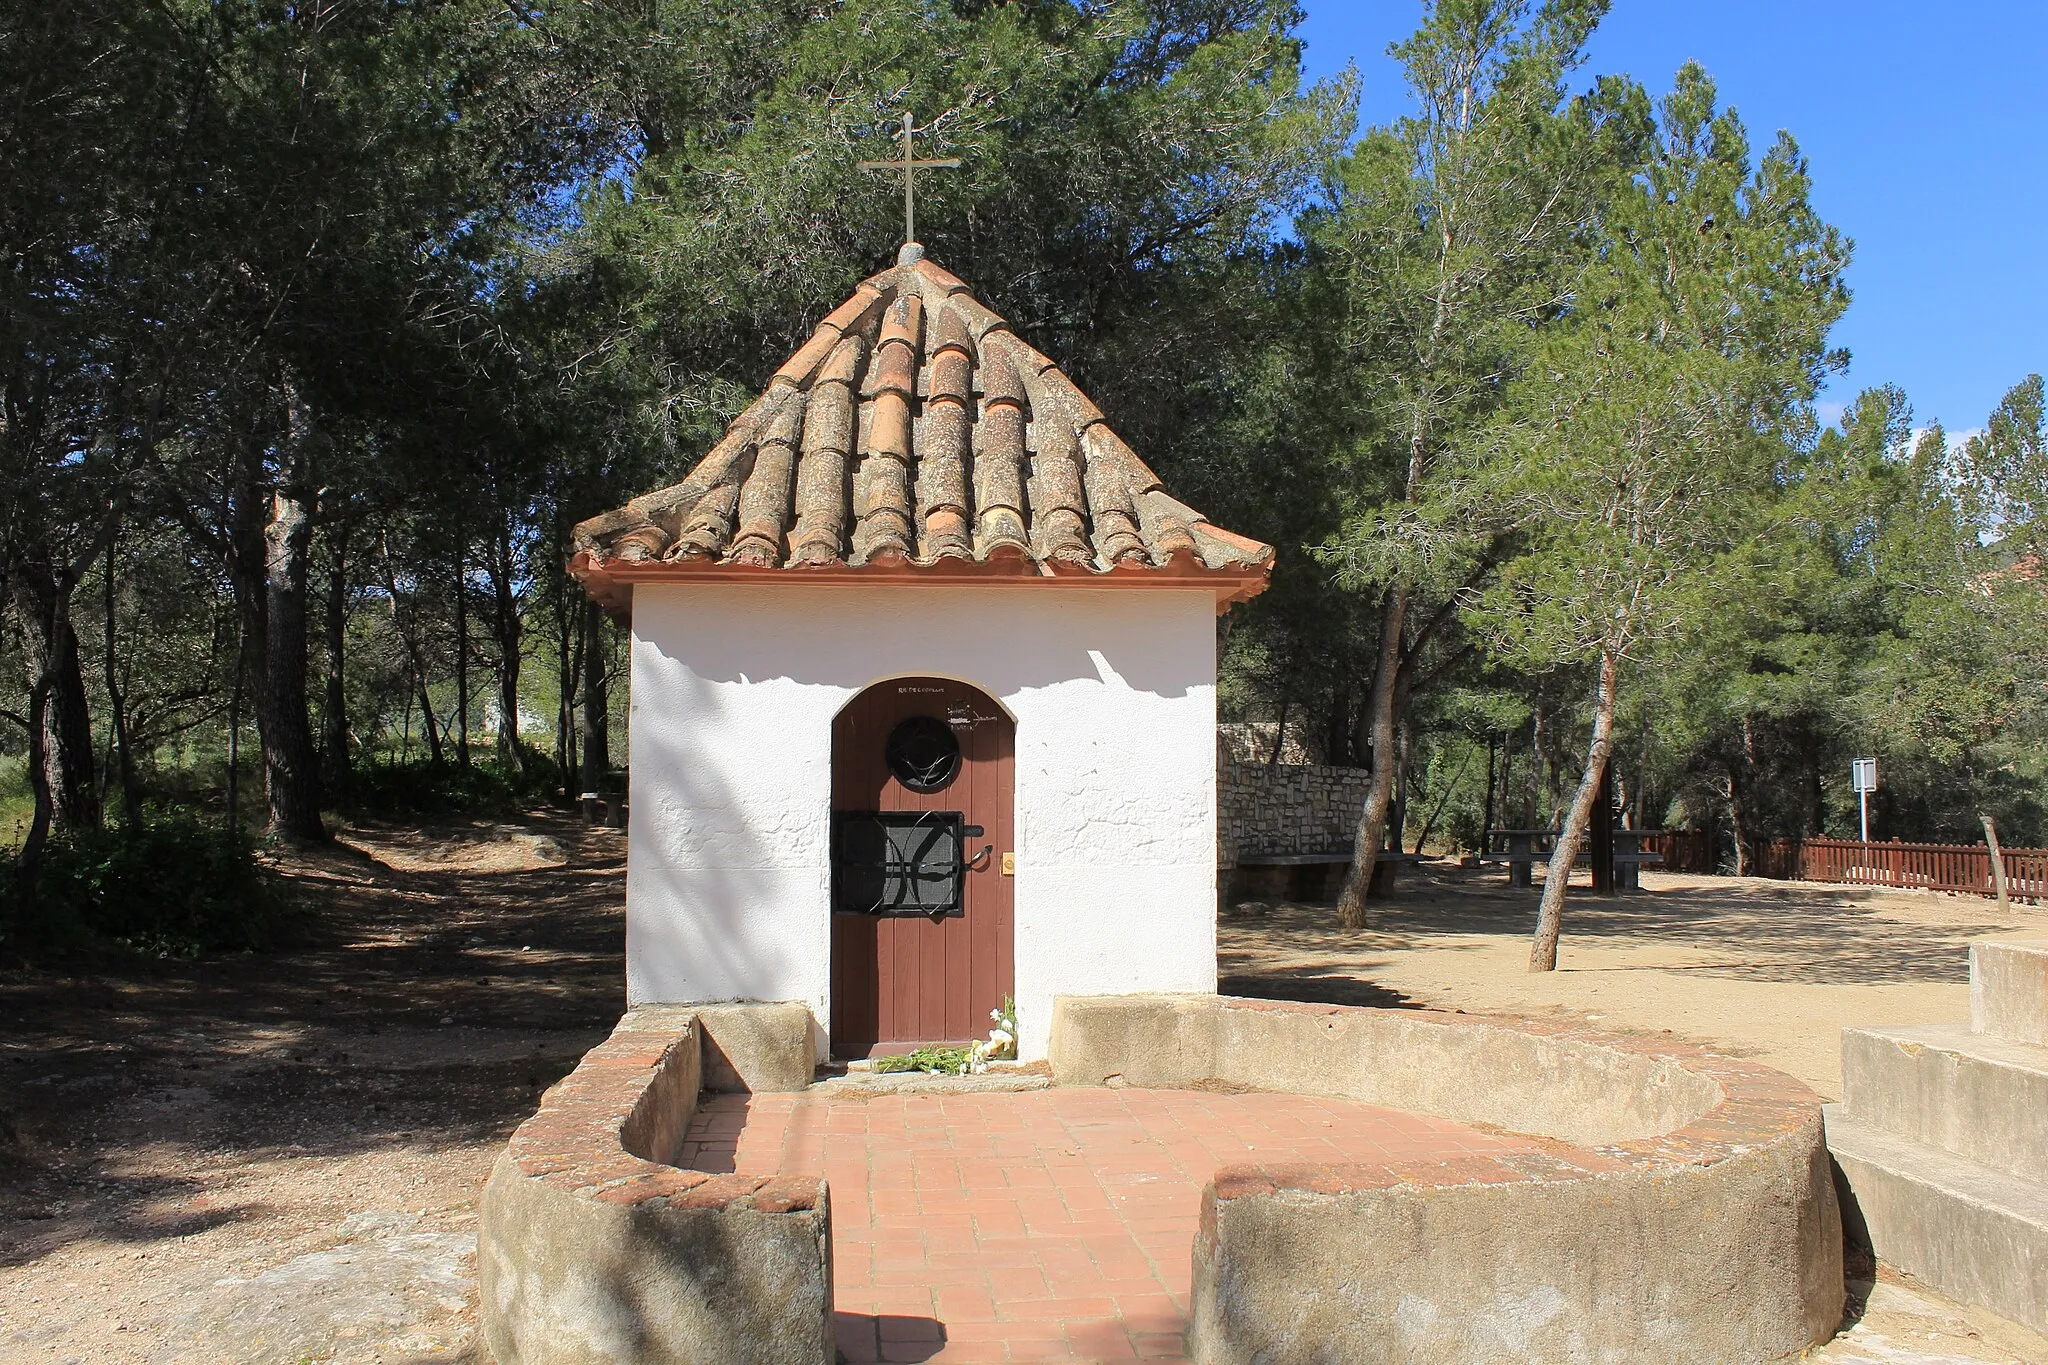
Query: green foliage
1535	362
424	787
2004	476
1453	236
1862	616
1642	444
172	887
942	1061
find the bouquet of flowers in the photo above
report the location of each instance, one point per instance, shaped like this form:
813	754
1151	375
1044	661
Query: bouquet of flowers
1001	1044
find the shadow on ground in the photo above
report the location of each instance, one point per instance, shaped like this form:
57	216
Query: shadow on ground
425	1009
868	1337
1755	930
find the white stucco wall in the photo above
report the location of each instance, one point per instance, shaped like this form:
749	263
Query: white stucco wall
734	690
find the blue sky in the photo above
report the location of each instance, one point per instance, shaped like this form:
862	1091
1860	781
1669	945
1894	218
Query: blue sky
1926	124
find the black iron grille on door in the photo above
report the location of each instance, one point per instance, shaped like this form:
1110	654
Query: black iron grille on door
897	862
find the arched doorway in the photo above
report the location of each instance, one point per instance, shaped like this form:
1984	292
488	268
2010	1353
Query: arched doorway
923	934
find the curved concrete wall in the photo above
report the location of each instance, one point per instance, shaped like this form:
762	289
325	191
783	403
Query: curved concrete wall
593	1250
1575	1089
1681	1209
1693	1218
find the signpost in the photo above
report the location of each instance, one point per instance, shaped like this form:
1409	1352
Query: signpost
1863	774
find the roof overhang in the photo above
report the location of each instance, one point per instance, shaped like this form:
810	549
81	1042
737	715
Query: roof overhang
610	582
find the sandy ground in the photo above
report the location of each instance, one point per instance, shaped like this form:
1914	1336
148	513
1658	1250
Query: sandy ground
268	1159
1771	970
277	1158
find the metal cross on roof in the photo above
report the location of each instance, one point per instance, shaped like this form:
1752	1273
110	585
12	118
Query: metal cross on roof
909	164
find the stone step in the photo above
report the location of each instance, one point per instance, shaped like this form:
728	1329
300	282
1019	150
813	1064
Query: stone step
1976	1234
2009	989
929	1083
1973	1095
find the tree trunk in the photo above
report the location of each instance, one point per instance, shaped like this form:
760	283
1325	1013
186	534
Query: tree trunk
596	706
405	735
462	658
1450	789
1640	803
510	632
1550	917
117	712
1813	787
1507	781
429	723
30	856
291	768
50	645
1737	819
405	620
1534	819
1486	813
1738	797
569	643
1398	818
1338	750
1379	798
235	727
334	755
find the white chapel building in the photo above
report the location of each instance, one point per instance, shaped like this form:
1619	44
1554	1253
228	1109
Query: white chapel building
923	691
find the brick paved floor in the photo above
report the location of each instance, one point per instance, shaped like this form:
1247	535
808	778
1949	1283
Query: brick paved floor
1052	1225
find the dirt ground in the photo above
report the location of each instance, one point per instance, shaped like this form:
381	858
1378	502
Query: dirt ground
277	1158
1771	970
270	1159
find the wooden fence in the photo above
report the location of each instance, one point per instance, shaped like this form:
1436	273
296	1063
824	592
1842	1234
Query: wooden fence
1963	868
1684	850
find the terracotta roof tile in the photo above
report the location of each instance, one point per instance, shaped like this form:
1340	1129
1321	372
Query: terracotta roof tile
1000	382
952	377
915	432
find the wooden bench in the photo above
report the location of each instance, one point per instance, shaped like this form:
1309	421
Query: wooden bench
1318	876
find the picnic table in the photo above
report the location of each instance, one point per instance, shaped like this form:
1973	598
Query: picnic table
1630	857
1525	847
1529	846
603	808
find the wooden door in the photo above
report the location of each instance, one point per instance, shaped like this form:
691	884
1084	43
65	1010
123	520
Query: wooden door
901	976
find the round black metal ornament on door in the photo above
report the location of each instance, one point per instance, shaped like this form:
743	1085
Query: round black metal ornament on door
923	753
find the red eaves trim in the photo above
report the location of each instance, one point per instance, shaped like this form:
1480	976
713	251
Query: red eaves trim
610	583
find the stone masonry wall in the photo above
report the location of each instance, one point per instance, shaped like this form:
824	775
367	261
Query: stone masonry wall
1286	808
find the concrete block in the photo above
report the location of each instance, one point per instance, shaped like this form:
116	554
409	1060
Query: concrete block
1976	1234
2009	989
569	1277
755	1047
1159	1042
592	1250
1742	1266
1973	1095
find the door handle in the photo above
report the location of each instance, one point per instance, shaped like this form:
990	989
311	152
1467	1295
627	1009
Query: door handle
980	860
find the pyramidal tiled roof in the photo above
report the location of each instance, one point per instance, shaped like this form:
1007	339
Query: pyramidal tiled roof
915	437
